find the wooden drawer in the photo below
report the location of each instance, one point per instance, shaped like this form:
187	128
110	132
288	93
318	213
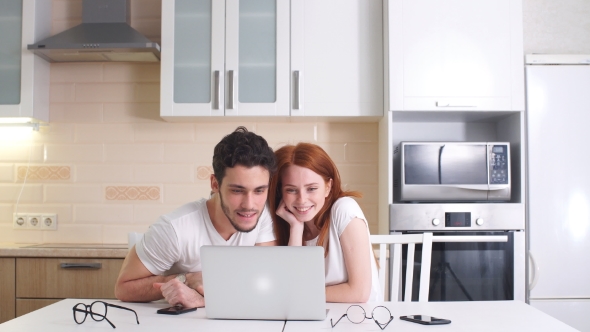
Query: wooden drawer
53	278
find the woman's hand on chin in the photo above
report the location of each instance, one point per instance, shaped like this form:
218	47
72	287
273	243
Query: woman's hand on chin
289	217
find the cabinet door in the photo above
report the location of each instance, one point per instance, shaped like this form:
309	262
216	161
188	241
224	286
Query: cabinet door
10	53
192	64
337	57
24	77
456	55
257	57
7	289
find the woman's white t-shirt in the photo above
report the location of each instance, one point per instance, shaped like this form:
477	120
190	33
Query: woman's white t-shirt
343	211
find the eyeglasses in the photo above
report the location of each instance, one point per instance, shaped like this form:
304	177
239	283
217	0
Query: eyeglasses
356	315
97	310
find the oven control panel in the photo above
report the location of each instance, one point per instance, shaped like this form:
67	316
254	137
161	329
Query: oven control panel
457	219
456	216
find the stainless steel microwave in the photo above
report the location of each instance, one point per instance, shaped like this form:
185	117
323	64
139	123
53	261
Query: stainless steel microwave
452	172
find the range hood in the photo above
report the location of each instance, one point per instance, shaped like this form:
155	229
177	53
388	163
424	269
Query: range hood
103	35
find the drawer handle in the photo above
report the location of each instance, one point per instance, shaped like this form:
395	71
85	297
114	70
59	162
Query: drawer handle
441	104
94	266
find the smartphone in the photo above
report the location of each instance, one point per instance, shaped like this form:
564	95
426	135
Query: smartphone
425	320
176	310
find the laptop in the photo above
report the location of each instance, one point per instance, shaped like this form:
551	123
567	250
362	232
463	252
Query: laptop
274	283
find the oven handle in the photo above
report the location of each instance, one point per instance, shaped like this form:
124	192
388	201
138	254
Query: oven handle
472	238
535	271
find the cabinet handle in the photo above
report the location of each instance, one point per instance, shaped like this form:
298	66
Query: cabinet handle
230	99
93	266
534	270
296	93
216	90
440	104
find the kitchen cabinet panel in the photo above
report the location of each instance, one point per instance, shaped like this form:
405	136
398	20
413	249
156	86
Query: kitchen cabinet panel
337	58
24	78
272	58
456	55
224	58
24	306
7	290
48	278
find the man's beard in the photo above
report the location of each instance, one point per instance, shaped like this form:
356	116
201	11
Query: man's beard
225	210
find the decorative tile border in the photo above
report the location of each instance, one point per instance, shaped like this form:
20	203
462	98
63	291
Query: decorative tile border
44	172
132	193
204	172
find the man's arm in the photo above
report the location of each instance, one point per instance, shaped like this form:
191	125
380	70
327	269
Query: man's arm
136	283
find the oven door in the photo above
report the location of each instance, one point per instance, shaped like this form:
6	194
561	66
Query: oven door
473	271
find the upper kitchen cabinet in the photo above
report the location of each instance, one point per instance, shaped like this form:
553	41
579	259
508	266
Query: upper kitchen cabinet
337	58
224	58
24	78
456	55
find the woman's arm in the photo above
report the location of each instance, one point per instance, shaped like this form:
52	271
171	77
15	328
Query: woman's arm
355	242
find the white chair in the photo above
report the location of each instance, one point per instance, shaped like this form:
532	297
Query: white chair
397	240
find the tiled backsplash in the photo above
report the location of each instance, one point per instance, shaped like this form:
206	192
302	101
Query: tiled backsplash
107	164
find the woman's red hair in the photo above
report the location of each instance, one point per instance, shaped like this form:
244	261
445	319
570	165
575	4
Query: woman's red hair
316	159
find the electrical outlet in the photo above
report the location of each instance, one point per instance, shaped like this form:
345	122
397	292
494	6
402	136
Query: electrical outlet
19	221
34	221
49	222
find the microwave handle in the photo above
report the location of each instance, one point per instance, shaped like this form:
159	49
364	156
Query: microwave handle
482	187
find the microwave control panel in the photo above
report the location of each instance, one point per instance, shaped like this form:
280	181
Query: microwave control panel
498	164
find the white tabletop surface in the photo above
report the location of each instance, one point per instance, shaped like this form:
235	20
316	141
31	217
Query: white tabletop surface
493	316
465	316
58	317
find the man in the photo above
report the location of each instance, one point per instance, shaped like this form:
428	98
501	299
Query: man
166	262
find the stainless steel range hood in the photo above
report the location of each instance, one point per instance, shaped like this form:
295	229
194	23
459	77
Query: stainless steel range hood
103	35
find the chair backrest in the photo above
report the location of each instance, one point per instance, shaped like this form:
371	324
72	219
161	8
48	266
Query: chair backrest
397	240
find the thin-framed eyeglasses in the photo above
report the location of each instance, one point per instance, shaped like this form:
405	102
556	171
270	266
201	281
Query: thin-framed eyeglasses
357	314
97	310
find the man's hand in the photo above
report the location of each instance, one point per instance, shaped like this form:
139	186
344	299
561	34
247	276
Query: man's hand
175	292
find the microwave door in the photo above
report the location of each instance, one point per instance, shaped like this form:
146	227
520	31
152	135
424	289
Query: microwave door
464	164
421	164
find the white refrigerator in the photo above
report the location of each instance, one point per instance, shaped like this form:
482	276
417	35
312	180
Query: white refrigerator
558	178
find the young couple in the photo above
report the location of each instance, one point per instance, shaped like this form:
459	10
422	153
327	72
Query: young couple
307	207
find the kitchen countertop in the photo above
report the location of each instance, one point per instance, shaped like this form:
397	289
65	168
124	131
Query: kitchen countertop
70	250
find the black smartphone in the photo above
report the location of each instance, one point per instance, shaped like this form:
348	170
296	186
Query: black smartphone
176	310
425	320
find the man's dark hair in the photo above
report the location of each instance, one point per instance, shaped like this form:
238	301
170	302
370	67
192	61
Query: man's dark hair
242	148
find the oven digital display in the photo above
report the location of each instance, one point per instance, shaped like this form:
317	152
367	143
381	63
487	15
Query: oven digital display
457	219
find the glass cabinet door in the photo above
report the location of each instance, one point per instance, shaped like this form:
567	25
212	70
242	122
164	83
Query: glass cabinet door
257	63
11	13
193	34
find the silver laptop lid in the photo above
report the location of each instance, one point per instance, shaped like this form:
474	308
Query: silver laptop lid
279	283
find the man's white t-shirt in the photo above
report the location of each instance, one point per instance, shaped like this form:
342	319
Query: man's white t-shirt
343	211
172	245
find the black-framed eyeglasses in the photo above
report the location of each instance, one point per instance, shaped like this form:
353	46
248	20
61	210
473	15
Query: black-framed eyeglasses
357	314
97	310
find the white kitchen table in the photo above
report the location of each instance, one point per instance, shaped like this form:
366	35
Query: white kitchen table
58	317
465	316
480	316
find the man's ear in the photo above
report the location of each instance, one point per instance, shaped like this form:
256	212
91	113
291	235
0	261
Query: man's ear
328	187
214	184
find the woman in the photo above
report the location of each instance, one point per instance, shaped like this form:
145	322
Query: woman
310	208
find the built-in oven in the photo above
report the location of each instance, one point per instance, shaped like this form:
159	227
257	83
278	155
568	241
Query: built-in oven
478	250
